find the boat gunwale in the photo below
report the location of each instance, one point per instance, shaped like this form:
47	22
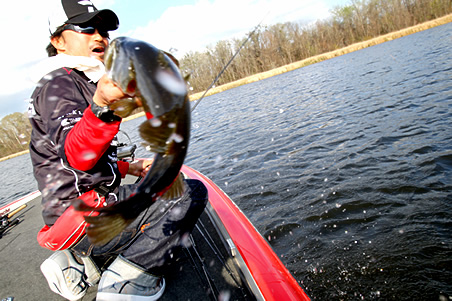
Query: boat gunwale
273	279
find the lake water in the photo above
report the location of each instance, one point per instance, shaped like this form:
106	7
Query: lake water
344	166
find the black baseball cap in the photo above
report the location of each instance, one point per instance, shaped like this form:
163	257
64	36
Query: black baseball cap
79	12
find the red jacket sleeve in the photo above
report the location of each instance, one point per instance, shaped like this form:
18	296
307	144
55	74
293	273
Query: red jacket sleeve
123	168
88	140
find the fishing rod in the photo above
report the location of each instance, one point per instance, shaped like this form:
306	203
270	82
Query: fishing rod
5	220
228	63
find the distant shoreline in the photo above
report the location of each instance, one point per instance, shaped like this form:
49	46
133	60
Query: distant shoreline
306	62
14	155
325	56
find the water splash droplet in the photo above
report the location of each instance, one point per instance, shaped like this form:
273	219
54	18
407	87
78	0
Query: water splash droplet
171	82
218	159
185	240
88	155
176	212
176	138
224	296
155	122
120	109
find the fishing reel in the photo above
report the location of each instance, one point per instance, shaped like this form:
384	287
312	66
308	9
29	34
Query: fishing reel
126	152
7	223
4	221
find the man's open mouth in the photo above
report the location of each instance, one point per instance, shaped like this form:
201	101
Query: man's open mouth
98	49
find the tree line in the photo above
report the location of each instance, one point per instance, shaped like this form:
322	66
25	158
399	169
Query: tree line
281	44
15	133
274	46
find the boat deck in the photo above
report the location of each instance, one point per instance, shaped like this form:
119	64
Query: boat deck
21	257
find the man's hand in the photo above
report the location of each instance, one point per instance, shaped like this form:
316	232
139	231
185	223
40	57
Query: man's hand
107	92
139	167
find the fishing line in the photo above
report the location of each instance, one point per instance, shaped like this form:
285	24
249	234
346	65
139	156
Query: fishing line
214	247
208	277
230	61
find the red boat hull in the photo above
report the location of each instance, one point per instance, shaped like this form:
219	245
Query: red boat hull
270	275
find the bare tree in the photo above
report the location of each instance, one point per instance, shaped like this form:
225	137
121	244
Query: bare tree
273	46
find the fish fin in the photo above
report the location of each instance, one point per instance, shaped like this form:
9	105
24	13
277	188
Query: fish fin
171	57
104	228
156	133
176	190
80	205
124	107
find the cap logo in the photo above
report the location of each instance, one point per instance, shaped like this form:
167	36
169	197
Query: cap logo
87	3
80	12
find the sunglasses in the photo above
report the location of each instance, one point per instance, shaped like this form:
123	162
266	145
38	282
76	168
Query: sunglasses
87	30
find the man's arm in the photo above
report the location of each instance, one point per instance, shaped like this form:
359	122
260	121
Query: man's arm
88	140
99	134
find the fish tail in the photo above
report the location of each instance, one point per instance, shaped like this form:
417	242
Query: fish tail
176	190
104	228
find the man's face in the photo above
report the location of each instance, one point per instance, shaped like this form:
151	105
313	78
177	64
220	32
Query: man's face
81	44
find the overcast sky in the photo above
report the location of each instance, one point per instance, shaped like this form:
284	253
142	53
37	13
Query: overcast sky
182	25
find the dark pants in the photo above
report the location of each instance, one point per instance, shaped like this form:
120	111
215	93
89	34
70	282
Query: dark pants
157	233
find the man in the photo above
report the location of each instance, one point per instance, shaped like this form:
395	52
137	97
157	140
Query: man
73	151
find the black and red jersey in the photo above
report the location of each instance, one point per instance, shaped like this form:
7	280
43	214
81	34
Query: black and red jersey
72	151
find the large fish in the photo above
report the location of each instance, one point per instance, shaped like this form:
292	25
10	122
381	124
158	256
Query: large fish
149	74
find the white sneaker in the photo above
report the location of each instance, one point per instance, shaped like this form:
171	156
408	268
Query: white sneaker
124	280
92	273
65	275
